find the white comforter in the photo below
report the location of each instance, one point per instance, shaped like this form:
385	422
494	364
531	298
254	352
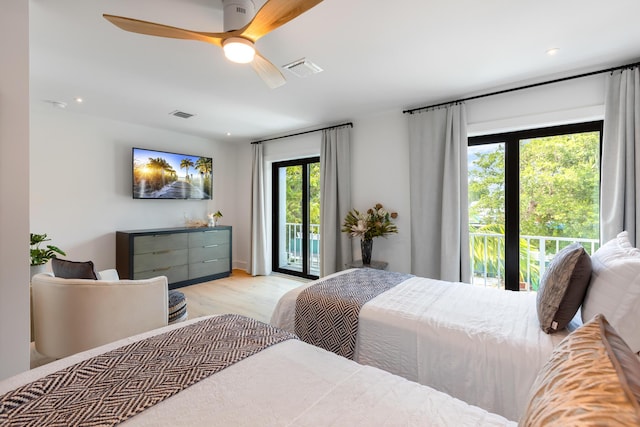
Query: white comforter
295	384
481	345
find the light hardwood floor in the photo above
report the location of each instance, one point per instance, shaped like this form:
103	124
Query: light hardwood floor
239	293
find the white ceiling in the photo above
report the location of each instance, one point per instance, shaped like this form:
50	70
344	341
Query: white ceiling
377	56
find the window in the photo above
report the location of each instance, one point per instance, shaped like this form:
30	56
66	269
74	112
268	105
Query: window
296	217
531	193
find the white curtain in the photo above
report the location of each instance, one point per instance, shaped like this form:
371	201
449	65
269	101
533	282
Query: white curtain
620	170
335	199
259	252
438	190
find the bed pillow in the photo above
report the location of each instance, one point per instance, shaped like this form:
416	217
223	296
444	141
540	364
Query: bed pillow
563	287
615	288
73	269
591	379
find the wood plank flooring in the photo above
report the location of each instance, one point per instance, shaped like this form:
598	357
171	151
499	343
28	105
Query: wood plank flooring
239	293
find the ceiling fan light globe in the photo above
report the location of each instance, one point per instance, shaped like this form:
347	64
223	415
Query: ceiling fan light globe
239	50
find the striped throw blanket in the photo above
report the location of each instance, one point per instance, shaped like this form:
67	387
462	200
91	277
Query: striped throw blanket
326	313
114	386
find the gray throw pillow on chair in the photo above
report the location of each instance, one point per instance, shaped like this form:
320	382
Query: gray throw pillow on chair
73	269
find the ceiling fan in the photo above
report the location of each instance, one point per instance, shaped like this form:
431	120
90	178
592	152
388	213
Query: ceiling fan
238	40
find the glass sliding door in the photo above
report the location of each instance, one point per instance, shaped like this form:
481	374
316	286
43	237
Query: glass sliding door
559	198
486	213
296	217
531	193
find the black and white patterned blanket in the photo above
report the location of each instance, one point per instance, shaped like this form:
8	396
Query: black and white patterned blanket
112	387
327	313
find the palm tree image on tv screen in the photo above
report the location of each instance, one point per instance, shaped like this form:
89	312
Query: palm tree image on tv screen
164	175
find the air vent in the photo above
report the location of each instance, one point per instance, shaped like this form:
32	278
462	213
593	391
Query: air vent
302	68
181	114
57	104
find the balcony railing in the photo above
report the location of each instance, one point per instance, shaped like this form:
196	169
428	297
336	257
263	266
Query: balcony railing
487	270
535	254
293	244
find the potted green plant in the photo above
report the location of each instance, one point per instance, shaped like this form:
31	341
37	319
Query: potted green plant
40	256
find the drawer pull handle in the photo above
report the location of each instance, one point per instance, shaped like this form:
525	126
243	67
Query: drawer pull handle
162	252
212	246
211	231
162	269
210	260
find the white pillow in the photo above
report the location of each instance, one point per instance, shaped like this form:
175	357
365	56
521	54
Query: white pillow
110	274
615	288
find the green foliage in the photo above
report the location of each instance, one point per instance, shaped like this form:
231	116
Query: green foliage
559	190
559	186
486	187
559	181
294	194
40	255
204	166
492	247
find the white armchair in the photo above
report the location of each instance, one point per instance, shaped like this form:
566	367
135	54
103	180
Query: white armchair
73	315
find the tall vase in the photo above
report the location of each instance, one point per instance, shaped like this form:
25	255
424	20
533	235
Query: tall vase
366	246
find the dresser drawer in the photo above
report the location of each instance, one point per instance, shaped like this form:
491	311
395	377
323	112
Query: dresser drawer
208	253
208	268
184	255
160	260
209	237
159	242
174	274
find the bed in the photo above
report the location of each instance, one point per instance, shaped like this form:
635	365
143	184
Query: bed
482	345
235	371
439	333
288	382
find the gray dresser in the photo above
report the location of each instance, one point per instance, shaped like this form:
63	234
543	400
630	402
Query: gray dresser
185	255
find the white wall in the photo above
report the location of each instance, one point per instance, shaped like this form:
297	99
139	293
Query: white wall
571	101
81	182
380	174
14	187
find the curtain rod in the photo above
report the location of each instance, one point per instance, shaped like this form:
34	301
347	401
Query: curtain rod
500	92
302	133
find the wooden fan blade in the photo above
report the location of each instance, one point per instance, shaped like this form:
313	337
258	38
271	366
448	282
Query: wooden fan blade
268	72
159	30
273	14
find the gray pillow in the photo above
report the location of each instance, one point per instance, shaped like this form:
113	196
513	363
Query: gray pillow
73	269
563	287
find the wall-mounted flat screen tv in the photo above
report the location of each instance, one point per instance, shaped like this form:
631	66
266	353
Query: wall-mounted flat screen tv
165	175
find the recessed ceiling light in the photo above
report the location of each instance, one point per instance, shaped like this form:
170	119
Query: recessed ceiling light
78	100
228	133
552	51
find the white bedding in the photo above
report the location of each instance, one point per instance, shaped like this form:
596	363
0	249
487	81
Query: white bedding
295	384
481	345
